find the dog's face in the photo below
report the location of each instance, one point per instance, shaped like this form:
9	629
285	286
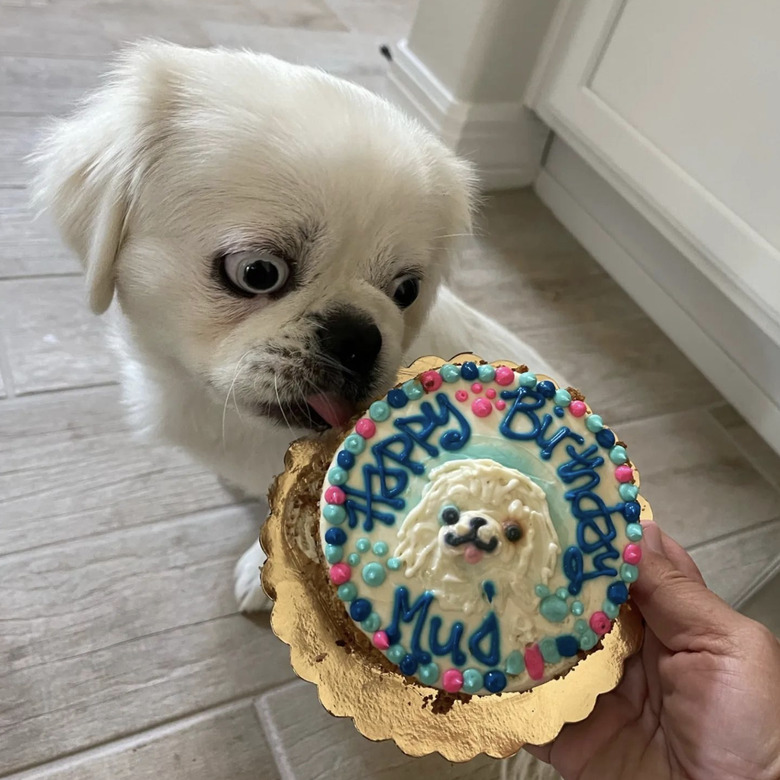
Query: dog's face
272	232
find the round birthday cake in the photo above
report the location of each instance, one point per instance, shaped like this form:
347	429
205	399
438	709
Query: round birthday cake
481	526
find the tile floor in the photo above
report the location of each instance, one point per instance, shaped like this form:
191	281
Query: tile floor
121	653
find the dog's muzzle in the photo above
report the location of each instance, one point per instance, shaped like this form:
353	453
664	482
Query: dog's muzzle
475	546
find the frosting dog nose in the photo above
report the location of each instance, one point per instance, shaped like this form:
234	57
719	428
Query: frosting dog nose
353	340
477	522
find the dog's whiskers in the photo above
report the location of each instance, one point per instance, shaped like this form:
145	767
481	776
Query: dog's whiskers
231	390
279	401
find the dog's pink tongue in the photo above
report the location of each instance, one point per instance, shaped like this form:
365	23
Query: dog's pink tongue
472	554
334	410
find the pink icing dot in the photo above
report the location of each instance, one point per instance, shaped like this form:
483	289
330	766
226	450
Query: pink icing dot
380	640
632	553
500	405
624	473
476	387
335	495
365	427
431	380
482	407
452	680
461	395
534	663
600	623
504	375
490	392
577	408
340	573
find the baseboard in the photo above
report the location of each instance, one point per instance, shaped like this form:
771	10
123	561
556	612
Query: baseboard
503	140
727	347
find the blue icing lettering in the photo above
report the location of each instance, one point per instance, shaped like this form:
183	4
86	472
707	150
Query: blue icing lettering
489	589
488	630
417	612
364	501
582	464
452	645
420	426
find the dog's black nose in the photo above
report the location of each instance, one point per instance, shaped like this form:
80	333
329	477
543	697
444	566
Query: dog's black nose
353	340
477	522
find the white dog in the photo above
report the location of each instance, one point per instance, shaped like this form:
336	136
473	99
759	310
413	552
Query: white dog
479	516
275	238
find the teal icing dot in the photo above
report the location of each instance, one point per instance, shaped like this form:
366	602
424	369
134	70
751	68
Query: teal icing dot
618	455
487	373
353	559
427	673
580	626
413	389
371	623
549	650
379	411
450	373
514	662
609	609
527	379
588	640
395	653
562	397
628	492
380	549
553	609
337	476
393	564
628	572
347	591
562	593
335	514
363	544
333	553
577	608
594	423
472	681
541	591
374	574
634	532
354	444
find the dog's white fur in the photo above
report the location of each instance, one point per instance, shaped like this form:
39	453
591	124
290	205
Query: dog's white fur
185	154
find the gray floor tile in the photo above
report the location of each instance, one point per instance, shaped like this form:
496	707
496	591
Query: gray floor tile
17	138
308	742
391	19
53	340
764	605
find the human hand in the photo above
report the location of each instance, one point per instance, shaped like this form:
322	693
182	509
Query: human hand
701	700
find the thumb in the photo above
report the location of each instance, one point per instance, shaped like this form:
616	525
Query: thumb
674	601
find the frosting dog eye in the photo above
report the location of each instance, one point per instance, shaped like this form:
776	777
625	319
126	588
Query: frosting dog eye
513	532
449	515
255	272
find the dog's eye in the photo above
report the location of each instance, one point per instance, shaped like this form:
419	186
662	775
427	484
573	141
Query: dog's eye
513	532
406	290
449	515
256	272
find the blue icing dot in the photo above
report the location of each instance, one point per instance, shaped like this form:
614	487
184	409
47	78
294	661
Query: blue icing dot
333	553
363	544
449	373
346	459
553	609
380	549
628	492
469	370
588	640
577	608
487	373
408	664
347	591
428	673
495	681
567	645
618	455
353	559
514	662
472	681
335	536
605	438
334	514
337	476
549	650
395	653
541	591
393	564
546	388
631	511
628	572
617	593
562	397
397	398
558	411
360	609
372	622
527	379
594	423
379	411
609	609
413	389
634	532
373	574
354	443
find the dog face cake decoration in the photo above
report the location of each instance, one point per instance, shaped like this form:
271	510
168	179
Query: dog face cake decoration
481	527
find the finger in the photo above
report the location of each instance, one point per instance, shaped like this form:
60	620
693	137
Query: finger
542	752
680	558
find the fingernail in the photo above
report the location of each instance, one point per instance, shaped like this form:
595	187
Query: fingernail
651	536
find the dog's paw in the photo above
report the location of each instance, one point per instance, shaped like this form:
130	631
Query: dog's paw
249	593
